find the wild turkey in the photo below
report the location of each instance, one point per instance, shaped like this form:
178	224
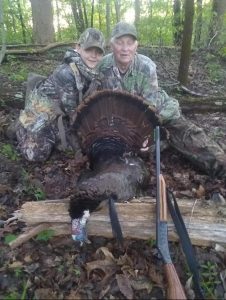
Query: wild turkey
112	127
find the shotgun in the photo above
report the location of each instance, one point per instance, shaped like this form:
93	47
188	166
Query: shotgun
174	287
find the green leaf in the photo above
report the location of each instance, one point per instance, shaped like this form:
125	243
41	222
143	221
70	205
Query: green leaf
9	238
12	296
45	235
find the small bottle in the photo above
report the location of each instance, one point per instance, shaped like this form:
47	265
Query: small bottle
78	228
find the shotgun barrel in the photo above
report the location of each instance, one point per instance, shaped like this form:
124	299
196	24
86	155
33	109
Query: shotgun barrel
174	287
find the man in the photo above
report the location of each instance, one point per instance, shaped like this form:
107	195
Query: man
125	69
50	102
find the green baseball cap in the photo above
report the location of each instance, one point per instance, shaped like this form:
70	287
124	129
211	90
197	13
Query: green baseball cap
123	28
92	37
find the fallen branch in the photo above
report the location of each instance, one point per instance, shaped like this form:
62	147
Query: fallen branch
39	50
206	224
193	93
202	104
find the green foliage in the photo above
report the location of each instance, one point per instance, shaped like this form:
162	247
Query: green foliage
14	70
9	238
155	25
13	22
18	272
77	271
8	151
215	70
222	52
31	189
37	192
12	296
15	295
151	242
45	235
209	279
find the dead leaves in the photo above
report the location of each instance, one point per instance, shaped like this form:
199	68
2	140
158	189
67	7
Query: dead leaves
120	270
124	285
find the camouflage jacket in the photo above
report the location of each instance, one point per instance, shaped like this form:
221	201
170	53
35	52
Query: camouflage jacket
59	94
140	79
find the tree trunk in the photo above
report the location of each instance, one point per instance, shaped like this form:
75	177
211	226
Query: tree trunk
3	33
198	25
177	22
100	14
92	14
186	42
21	22
137	6
84	5
108	20
78	15
216	23
58	20
117	10
42	16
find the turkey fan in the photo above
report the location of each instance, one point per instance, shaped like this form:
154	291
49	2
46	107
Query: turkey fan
114	121
109	125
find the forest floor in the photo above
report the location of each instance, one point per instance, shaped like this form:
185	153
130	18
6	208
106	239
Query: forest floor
54	267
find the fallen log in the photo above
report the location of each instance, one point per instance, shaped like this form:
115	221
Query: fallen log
202	104
205	223
38	50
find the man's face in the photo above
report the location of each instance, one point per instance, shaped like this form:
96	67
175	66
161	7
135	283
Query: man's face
91	56
124	49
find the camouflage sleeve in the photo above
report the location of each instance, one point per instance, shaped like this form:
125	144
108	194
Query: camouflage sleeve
167	107
62	87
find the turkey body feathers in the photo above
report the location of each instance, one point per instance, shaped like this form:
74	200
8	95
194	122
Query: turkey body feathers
125	177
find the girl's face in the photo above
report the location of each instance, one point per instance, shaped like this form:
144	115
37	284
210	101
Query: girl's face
90	56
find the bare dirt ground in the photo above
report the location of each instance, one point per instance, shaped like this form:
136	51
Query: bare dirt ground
56	268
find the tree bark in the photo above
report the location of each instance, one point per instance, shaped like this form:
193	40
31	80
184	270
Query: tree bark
92	14
78	16
118	10
84	5
216	23
206	223
58	20
3	33
198	25
186	43
22	22
108	21
177	22
42	16
137	7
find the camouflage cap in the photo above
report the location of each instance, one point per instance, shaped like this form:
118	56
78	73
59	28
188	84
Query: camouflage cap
123	28
92	37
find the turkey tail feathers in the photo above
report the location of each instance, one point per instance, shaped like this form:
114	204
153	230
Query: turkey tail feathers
115	117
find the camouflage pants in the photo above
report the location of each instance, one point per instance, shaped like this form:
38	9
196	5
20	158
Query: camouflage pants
38	145
197	147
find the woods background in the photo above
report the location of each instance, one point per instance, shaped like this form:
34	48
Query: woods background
184	23
158	22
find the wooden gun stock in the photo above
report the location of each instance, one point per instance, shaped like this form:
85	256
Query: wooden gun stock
174	288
